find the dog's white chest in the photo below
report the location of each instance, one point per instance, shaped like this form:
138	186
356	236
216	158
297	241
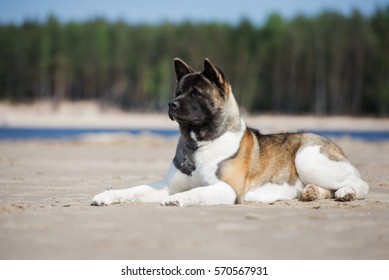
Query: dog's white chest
207	158
211	153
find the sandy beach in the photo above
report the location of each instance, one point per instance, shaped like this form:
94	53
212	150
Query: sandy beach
46	189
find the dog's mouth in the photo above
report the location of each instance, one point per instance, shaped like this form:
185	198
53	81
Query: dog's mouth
183	120
171	116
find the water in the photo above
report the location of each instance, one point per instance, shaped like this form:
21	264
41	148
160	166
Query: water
355	134
8	133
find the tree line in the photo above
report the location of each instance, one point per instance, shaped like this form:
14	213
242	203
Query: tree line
327	64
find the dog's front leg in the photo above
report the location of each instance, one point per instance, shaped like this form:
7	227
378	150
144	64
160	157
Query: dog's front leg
216	194
153	192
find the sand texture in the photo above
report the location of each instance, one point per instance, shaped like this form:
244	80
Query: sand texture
46	188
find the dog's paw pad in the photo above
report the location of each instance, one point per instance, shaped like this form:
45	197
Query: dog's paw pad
310	193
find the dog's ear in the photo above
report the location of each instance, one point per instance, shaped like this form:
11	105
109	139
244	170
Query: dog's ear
214	74
181	68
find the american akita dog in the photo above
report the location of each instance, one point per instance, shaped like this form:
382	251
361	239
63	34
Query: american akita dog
219	160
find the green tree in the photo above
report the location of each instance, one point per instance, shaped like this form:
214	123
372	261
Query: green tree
326	64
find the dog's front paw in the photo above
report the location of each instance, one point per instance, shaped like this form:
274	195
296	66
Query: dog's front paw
172	201
104	198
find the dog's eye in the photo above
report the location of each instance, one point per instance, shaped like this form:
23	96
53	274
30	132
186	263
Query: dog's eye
194	93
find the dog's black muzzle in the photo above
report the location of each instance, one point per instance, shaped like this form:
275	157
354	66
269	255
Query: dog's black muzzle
173	105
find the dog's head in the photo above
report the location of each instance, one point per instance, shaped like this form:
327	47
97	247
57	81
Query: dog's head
200	97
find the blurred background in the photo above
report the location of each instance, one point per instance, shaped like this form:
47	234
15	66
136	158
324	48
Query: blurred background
291	57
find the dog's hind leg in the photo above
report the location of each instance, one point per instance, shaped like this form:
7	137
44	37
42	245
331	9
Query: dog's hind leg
339	176
355	188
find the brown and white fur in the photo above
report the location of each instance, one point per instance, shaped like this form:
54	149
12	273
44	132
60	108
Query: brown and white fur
219	160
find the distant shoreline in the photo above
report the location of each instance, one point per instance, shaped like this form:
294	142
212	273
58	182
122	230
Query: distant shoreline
89	115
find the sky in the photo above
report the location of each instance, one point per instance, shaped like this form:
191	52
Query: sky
153	12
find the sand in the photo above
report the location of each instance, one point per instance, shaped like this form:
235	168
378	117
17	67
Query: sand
46	188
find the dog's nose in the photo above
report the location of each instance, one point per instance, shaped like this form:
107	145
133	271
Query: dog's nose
173	104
